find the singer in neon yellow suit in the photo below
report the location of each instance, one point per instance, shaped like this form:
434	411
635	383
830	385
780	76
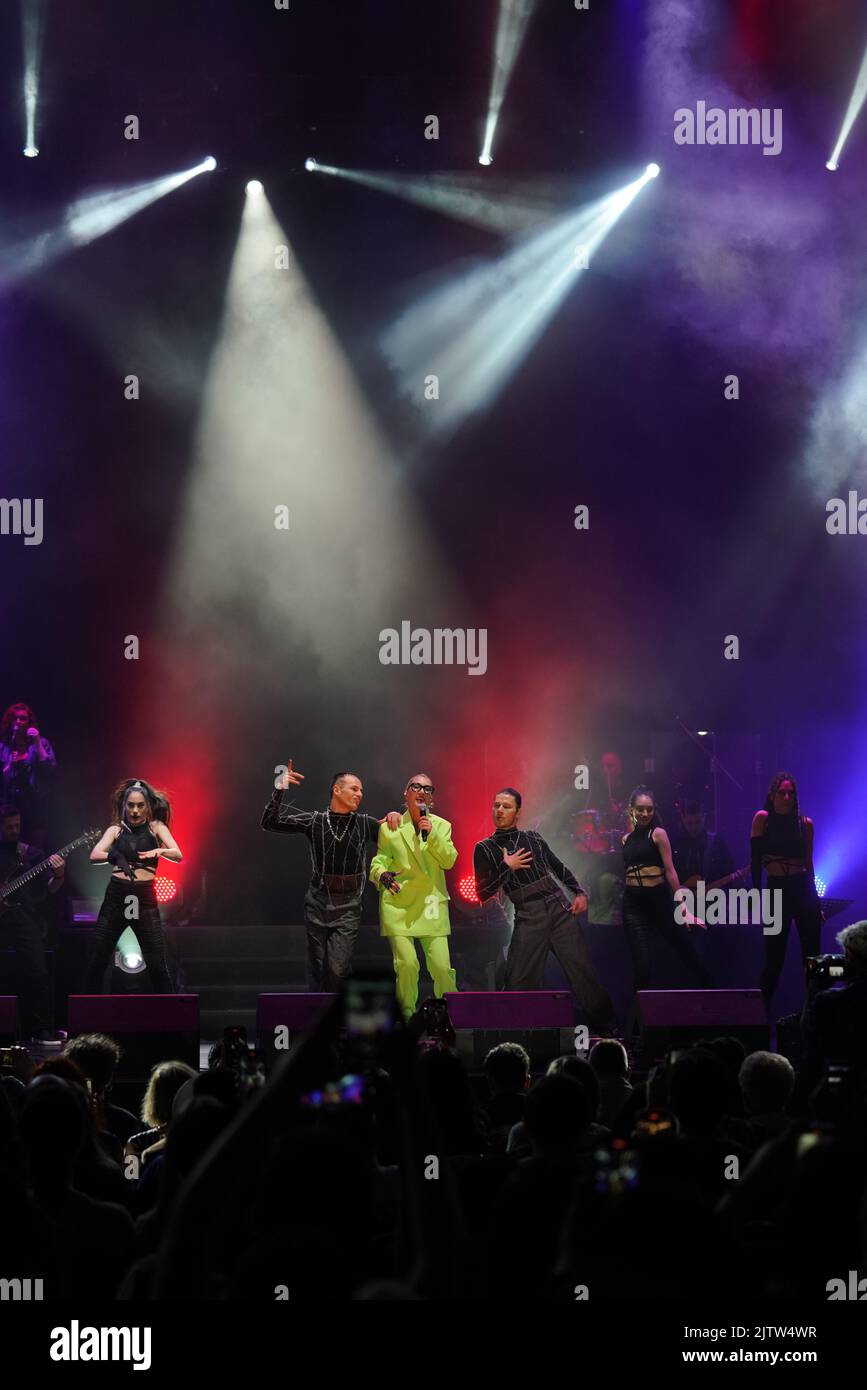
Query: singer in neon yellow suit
409	871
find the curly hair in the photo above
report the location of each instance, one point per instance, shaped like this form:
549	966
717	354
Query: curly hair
8	715
159	806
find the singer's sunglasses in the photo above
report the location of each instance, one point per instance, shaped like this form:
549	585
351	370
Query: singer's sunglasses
419	787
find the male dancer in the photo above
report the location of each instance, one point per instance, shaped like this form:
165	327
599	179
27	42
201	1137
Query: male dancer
409	870
524	866
338	841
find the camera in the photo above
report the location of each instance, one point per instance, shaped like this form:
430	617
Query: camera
825	971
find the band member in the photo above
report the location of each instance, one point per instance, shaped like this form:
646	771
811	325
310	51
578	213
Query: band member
651	884
133	845
781	843
28	765
697	852
409	871
338	840
522	865
21	927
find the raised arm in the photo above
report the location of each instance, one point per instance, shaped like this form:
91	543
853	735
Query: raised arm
286	819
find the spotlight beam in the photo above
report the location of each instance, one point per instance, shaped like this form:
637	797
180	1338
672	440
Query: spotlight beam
474	332
507	208
86	219
32	27
512	24
856	101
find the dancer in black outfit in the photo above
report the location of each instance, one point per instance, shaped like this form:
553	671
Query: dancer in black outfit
133	845
781	843
651	884
338	841
523	866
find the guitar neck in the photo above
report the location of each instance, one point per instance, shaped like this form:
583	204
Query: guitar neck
37	869
694	879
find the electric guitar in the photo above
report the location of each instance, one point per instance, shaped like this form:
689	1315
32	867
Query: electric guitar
89	839
720	882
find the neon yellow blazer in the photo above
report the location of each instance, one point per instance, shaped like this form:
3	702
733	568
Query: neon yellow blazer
421	906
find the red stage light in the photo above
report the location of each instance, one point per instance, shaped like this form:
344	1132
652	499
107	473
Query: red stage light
467	889
165	889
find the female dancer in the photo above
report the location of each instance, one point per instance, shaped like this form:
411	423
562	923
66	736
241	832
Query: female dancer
781	842
133	845
651	883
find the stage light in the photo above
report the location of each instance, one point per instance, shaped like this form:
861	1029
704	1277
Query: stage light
32	25
127	953
281	399
856	101
467	889
821	886
310	165
652	171
209	163
165	889
254	186
91	216
509	206
475	330
512	24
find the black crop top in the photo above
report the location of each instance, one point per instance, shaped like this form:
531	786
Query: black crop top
130	843
783	838
640	851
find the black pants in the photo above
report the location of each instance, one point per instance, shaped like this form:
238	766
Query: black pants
113	921
332	916
649	912
22	931
800	903
543	923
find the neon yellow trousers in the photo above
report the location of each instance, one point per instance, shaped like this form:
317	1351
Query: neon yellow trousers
406	968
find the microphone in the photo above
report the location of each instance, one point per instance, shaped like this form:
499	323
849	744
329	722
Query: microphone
422	805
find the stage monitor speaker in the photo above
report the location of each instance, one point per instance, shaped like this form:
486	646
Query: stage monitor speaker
542	1021
679	1017
8	1019
295	1012
149	1028
526	1008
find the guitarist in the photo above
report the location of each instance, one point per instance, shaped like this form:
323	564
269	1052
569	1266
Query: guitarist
697	853
21	927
